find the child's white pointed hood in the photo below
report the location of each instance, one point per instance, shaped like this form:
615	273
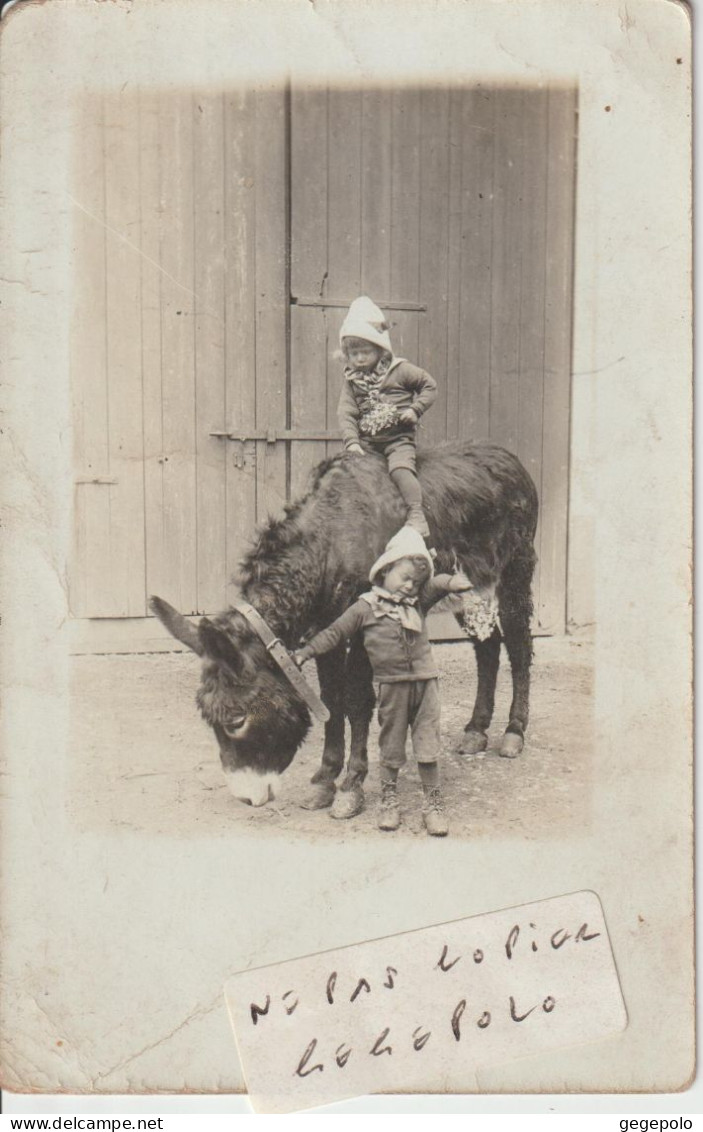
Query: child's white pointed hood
407	543
365	320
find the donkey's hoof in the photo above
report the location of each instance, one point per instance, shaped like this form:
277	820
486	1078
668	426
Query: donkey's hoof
319	797
512	745
348	803
472	743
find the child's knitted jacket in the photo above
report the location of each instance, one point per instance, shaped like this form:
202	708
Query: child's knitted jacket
396	653
404	386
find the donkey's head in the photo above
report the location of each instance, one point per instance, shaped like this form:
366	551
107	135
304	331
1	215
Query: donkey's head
258	718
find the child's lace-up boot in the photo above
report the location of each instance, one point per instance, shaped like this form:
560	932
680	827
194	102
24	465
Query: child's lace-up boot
433	813
389	812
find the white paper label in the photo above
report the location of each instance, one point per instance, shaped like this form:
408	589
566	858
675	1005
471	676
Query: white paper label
414	1011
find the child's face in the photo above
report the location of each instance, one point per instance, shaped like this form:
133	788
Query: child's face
401	578
362	355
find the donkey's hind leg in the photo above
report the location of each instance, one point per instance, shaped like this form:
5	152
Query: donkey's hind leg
487	661
515	615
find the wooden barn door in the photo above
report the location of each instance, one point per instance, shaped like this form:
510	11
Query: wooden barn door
218	241
180	331
453	210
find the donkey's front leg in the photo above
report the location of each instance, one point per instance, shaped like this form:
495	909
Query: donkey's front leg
330	670
359	703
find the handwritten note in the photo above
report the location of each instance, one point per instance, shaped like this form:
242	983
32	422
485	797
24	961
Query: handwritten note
424	1010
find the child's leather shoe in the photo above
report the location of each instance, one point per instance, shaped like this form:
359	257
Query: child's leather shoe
433	813
389	812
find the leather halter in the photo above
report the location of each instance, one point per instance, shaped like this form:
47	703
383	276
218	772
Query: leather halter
279	652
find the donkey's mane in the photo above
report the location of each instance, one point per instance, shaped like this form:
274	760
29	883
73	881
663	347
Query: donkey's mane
306	521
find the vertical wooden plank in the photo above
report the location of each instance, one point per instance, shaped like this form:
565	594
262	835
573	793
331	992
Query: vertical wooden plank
272	298
477	206
532	249
90	575
434	218
405	220
179	517
344	179
240	318
506	270
332	320
123	322
211	454
531	315
308	393
308	125
308	357
561	165
151	278
454	266
344	226
376	190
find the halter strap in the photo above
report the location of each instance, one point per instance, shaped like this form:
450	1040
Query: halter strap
279	652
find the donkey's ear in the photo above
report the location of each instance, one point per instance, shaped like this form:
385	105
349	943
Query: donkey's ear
217	645
177	625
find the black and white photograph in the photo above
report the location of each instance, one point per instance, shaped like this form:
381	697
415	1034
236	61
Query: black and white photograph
348	394
234	453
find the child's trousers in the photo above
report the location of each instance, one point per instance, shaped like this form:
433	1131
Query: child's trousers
400	452
407	704
400	455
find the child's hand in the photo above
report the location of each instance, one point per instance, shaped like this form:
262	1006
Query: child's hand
299	656
408	416
356	449
460	583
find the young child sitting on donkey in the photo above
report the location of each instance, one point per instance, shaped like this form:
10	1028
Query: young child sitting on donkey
382	399
392	619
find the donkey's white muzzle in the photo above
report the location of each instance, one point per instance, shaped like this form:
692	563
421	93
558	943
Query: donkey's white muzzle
252	787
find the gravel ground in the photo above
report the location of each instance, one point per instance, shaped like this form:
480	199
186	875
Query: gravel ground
142	759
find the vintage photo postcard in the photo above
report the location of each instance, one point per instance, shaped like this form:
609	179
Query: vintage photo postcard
346	658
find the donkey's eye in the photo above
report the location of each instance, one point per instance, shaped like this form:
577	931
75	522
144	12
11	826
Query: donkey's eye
234	725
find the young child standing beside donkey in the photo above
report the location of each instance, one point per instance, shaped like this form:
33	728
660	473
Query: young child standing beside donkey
392	619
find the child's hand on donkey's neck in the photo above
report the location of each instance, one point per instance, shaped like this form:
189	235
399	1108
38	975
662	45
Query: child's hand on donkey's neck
460	583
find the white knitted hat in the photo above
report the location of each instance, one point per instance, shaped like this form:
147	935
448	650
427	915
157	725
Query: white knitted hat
365	320
406	543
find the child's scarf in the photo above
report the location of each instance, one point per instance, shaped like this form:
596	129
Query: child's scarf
376	414
368	381
402	609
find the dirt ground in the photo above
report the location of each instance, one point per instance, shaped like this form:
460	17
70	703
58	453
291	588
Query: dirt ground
142	758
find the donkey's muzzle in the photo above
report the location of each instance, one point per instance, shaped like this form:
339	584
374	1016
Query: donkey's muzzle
252	787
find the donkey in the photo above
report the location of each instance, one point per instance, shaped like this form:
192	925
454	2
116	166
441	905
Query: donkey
305	569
